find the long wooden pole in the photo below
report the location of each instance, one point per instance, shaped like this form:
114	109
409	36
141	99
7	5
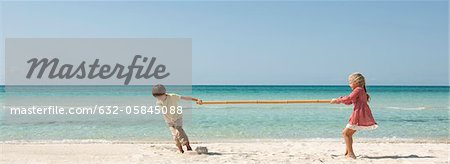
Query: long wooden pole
266	102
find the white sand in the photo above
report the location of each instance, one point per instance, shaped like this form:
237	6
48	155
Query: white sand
274	151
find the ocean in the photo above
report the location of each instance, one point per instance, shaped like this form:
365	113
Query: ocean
402	112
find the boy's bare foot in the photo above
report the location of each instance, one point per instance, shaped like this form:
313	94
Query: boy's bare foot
188	147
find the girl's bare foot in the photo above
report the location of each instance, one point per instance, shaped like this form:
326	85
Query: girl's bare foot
350	156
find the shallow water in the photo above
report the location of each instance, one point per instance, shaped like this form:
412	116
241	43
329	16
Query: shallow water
404	112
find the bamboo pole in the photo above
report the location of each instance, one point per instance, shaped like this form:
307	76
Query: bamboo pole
265	102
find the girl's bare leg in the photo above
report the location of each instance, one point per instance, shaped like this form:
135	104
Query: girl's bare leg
348	137
343	135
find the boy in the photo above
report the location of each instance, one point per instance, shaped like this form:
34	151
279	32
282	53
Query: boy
173	119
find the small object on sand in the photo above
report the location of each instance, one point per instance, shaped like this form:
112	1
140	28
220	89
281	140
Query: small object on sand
201	150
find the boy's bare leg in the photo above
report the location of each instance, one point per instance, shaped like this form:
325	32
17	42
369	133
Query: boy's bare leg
188	147
183	138
175	133
180	148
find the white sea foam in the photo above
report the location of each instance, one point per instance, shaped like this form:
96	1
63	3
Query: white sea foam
407	108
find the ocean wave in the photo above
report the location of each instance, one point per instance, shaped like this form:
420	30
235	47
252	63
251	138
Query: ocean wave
407	108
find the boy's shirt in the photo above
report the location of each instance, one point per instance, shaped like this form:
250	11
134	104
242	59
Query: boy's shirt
171	101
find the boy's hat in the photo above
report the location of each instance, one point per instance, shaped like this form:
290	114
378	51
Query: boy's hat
158	89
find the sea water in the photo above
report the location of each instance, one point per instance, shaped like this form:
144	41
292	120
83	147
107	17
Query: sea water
402	112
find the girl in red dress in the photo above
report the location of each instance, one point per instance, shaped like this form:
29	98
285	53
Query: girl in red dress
361	118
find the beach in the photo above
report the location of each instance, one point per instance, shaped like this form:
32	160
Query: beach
243	151
239	81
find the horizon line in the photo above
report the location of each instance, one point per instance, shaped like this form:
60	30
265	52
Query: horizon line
343	85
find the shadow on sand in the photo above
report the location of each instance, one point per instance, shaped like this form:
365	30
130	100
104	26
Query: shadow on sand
213	153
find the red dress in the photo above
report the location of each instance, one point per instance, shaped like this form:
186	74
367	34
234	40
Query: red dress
361	118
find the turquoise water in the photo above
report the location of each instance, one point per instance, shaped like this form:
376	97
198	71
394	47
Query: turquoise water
404	112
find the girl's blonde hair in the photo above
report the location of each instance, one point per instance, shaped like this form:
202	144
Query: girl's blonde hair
358	78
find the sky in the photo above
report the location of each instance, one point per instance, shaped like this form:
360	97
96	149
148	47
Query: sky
264	43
